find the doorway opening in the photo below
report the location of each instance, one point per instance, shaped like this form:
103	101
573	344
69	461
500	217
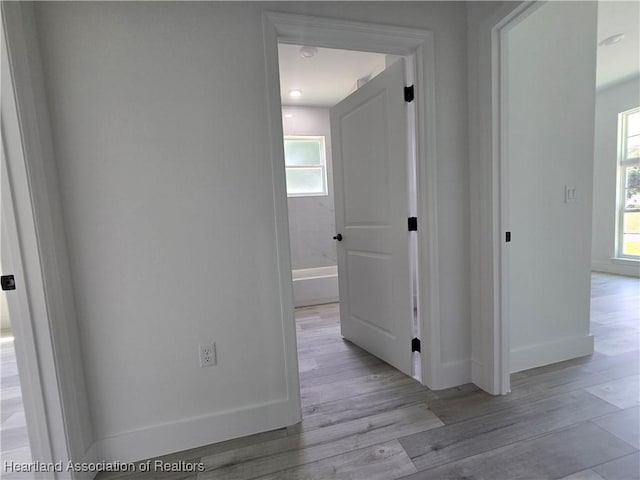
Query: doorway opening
541	247
340	189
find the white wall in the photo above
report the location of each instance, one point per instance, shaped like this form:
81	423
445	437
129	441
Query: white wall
160	131
551	62
311	219
609	103
161	148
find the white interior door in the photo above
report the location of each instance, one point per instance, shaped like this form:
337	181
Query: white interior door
369	148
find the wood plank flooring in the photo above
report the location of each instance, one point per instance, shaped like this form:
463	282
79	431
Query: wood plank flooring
14	441
575	420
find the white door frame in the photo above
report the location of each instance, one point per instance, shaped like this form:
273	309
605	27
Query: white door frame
20	307
27	304
500	345
333	33
42	311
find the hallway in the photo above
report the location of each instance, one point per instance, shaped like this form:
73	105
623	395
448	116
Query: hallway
362	419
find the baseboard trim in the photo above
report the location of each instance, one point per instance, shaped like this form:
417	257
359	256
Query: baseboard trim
195	432
315	301
315	290
533	356
615	268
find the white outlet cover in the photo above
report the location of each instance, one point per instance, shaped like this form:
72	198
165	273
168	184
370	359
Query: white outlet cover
207	355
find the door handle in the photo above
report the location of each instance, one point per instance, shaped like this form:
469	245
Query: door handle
338	237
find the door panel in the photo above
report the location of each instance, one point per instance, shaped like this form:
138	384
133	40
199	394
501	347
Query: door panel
365	174
370	301
369	138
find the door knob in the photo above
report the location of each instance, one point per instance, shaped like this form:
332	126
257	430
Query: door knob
338	237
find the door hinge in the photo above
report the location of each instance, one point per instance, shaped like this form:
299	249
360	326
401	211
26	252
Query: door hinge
415	345
409	94
507	237
413	224
8	282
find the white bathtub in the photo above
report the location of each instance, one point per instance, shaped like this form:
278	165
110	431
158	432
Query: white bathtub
315	286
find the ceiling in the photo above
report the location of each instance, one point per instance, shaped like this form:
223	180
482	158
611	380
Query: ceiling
327	77
622	60
331	74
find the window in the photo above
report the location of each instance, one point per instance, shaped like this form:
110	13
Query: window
629	185
306	167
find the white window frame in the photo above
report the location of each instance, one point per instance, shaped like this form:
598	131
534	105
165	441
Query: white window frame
322	165
623	163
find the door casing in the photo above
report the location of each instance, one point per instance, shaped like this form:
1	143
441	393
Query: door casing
392	40
21	256
43	310
501	347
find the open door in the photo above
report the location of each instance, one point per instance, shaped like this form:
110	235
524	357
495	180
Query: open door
369	148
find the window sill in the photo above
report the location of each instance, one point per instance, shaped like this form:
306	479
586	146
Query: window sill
306	195
633	262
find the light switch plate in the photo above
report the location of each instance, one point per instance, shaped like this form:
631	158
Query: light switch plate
570	195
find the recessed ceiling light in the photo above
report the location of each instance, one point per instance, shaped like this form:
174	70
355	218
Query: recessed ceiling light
288	115
308	52
295	93
612	40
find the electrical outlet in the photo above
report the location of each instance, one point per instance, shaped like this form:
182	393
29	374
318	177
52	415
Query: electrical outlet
207	355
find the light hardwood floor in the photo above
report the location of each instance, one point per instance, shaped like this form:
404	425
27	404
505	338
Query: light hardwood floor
575	420
14	442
